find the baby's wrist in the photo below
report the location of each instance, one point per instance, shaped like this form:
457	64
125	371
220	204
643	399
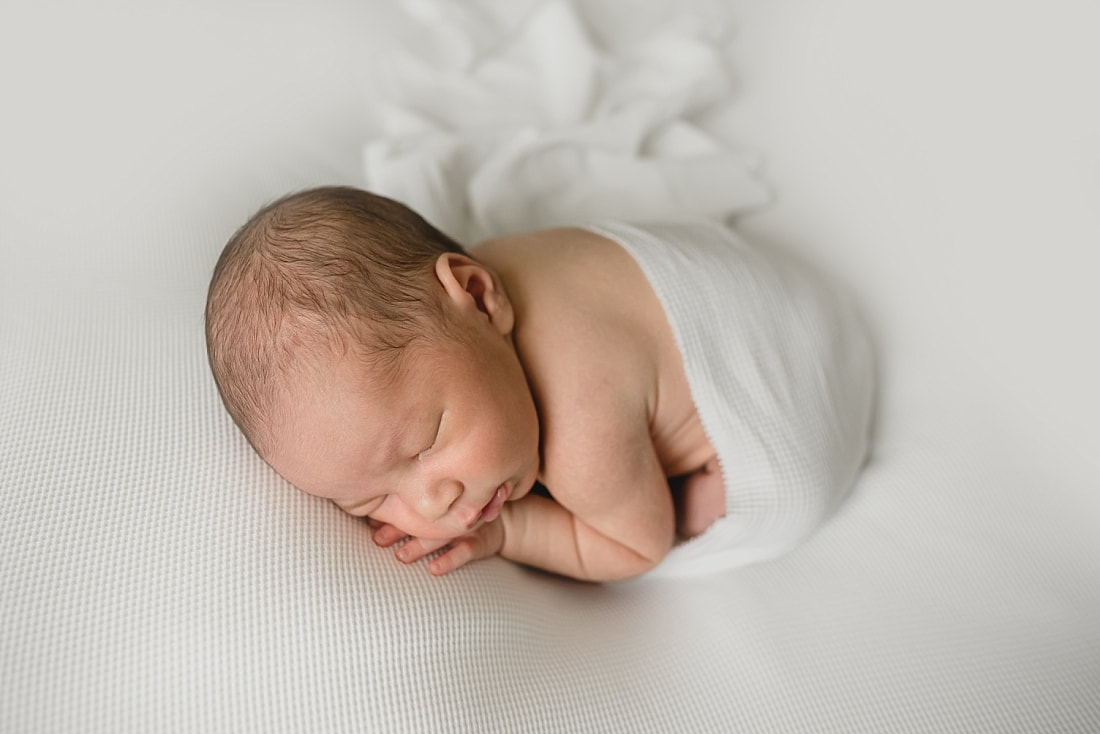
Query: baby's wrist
506	522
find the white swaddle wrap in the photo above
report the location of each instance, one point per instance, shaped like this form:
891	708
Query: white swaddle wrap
781	374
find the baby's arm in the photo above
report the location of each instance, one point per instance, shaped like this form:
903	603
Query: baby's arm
612	519
542	533
613	515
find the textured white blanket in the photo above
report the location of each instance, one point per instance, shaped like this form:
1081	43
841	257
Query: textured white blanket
156	576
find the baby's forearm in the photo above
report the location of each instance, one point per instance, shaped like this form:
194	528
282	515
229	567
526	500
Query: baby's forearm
539	532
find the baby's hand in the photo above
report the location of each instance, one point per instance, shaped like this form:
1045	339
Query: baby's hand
483	542
700	500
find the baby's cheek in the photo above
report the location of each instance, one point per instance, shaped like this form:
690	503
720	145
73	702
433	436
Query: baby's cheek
389	514
501	452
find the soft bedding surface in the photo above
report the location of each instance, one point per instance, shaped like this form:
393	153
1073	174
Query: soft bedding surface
938	159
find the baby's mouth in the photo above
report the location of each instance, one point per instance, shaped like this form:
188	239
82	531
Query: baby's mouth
491	511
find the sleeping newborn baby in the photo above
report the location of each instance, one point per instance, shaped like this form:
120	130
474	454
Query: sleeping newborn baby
687	403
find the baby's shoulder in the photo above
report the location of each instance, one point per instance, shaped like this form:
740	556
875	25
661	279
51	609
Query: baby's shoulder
578	297
564	256
584	325
565	279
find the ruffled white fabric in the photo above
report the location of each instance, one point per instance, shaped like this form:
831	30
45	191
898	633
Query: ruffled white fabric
572	117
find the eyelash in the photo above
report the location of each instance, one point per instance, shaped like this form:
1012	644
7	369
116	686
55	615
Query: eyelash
435	440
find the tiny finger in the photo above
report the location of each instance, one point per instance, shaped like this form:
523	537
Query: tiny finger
417	548
387	535
460	553
411	551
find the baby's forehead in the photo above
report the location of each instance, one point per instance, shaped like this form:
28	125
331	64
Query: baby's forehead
325	412
341	372
385	369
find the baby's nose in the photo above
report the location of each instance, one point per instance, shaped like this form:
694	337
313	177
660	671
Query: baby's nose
437	498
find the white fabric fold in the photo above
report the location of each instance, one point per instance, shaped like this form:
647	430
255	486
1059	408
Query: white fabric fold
547	127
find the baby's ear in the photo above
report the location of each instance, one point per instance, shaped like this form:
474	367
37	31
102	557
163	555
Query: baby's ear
473	288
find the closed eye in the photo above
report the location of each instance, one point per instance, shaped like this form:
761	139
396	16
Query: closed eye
435	438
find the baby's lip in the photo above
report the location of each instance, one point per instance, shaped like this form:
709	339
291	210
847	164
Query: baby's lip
491	510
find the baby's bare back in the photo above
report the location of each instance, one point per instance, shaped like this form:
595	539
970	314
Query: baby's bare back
616	413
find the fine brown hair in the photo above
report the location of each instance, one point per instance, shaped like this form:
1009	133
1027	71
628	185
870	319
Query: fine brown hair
332	269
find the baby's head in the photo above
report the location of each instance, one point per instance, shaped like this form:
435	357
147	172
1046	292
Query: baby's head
326	271
342	329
